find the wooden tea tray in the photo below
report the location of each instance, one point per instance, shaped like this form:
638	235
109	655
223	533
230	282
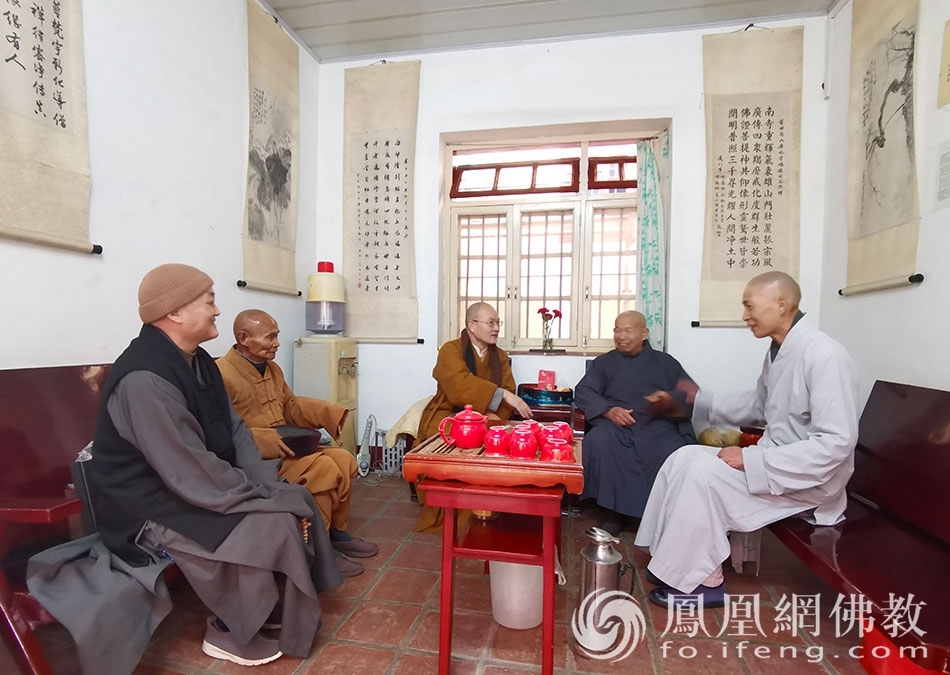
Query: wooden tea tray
436	459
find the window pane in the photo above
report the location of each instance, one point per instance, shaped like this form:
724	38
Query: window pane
514	177
477	179
607	171
630	171
613	268
554	175
546	271
482	266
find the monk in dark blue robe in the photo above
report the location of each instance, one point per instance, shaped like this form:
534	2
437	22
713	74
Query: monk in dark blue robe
635	400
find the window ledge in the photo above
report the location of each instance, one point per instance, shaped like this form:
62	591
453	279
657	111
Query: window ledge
568	352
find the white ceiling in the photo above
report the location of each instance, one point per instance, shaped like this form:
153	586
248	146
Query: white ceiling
352	29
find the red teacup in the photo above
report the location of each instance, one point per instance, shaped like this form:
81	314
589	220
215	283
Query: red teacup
522	444
547	432
496	441
557	450
566	431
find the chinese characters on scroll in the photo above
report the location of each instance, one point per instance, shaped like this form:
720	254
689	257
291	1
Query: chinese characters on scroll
382	172
750	195
35	60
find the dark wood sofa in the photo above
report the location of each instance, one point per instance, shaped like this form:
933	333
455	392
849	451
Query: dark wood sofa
47	415
894	545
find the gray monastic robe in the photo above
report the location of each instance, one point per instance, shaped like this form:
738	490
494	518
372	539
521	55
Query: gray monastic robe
621	463
236	581
807	400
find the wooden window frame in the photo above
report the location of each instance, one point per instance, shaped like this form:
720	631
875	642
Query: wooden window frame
573	187
594	162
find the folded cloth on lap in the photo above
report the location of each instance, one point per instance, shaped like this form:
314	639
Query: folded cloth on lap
303	441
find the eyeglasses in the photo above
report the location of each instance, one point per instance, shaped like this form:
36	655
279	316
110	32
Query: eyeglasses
491	324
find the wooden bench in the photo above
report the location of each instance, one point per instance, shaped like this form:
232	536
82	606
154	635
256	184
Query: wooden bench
47	415
895	542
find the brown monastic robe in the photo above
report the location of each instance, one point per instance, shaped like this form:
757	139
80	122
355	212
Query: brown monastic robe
456	387
264	402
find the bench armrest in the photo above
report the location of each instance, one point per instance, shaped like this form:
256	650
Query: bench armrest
38	509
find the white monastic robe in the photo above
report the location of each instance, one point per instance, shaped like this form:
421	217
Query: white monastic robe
807	400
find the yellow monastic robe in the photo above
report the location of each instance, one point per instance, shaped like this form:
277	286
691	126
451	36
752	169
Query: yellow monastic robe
264	402
457	387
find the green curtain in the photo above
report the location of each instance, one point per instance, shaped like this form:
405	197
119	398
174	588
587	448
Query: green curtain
653	188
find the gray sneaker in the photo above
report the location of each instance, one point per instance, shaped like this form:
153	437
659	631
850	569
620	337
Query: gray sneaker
220	644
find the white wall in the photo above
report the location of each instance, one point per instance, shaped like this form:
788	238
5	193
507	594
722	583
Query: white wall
634	77
167	99
899	334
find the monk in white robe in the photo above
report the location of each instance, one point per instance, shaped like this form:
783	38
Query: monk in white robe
806	399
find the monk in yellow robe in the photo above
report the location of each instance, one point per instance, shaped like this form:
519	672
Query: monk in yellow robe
260	395
471	370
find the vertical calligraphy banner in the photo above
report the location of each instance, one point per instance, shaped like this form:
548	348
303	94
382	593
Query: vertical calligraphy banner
270	215
381	105
44	156
753	99
883	204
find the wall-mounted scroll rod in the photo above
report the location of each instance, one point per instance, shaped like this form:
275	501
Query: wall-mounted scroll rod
257	286
883	284
721	323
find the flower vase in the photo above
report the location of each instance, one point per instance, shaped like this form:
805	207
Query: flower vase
547	344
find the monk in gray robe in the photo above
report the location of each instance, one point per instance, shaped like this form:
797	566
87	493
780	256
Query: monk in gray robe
630	435
806	398
175	475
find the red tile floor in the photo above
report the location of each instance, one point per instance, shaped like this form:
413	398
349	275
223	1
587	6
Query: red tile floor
386	620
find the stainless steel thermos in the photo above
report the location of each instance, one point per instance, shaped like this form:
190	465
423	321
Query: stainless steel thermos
602	565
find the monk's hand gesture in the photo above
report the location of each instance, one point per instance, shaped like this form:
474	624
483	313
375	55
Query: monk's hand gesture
732	456
285	450
689	388
518	404
622	417
660	401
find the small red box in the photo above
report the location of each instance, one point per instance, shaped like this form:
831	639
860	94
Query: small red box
546	380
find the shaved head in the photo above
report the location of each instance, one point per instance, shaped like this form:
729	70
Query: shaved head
250	320
785	287
255	335
630	332
475	309
632	315
770	305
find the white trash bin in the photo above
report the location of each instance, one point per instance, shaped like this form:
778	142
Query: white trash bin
517	594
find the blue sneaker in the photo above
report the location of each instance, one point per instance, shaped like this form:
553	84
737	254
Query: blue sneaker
711	598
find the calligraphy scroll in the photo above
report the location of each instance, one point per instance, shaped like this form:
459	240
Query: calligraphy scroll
883	204
943	81
753	92
270	215
44	157
380	109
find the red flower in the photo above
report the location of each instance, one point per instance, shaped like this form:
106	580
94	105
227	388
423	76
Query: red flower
557	313
543	310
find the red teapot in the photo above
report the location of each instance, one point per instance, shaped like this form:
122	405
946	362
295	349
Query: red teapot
467	429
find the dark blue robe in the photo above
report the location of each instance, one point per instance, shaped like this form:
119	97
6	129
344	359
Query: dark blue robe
621	463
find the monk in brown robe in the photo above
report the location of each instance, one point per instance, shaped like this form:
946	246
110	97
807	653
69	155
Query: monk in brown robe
471	370
261	397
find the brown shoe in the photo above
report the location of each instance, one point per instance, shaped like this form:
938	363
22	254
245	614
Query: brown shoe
347	567
356	548
220	644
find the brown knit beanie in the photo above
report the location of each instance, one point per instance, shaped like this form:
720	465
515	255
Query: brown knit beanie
170	287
